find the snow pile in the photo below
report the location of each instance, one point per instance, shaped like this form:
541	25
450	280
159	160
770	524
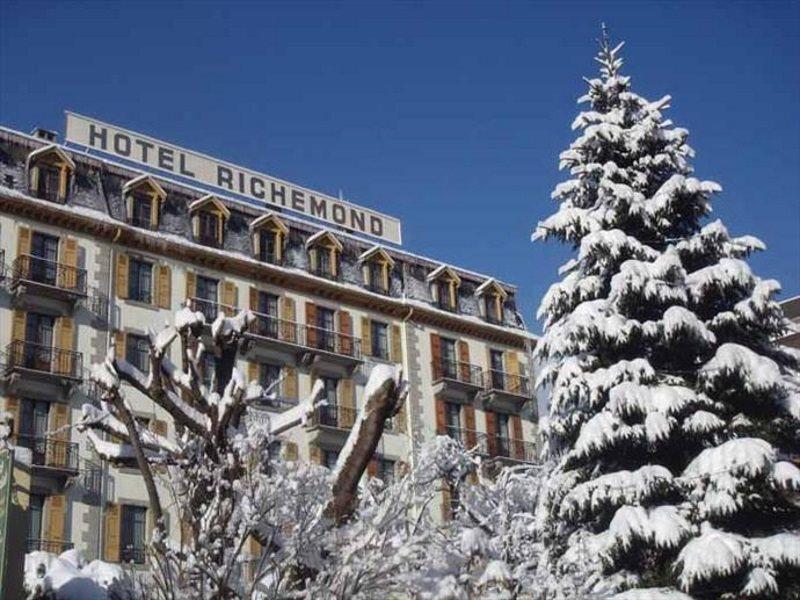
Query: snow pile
68	577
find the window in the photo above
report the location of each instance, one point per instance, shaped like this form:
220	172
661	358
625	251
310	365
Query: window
33	429
268	247
491	296
132	534
35	522
48	175
269	375
268	318
207	296
326	335
324	263
503	437
449	363
208	228
329	458
142	211
137	352
43	266
329	414
380	340
37	352
140	280
48	183
445	301
498	372
376	277
453	419
385	470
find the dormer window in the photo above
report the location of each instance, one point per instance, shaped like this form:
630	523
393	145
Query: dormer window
444	284
324	250
209	215
376	266
143	198
491	297
269	234
49	170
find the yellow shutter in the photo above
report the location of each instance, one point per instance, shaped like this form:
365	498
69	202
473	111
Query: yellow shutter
347	402
56	517
122	275
366	336
63	181
396	352
254	546
69	257
12	406
119	344
290	383
195	226
253	298
385	274
164	282
316	455
289	318
279	247
65	340
112	523
289	451
400	419
154	206
229	293
191	284
129	200
365	273
512	363
252	372
23	241
334	262
57	455
18	325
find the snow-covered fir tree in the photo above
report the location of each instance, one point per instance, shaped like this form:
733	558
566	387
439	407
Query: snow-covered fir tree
673	413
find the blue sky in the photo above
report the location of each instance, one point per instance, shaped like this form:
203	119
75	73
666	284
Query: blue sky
448	115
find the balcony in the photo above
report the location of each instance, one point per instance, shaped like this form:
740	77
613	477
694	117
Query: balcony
282	340
41	371
512	450
52	546
50	455
45	285
330	425
471	439
210	309
506	392
455	380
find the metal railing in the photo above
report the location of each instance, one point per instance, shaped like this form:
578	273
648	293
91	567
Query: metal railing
273	403
332	415
49	272
317	338
50	452
457	371
274	328
470	438
51	546
22	354
512	448
507	382
132	554
211	309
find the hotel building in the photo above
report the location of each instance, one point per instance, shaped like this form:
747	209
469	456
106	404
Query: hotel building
98	245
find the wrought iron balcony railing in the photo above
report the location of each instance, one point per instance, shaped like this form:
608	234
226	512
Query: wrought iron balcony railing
48	272
268	326
457	371
332	341
51	546
508	382
332	415
21	354
211	309
512	448
470	438
50	452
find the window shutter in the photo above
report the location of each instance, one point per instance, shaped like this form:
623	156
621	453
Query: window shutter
441	421
372	467
59	418
366	336
112	525
311	323
400	419
191	285
315	454
129	200
253	546
69	257
469	424
396	351
119	344
18	326
512	363
252	372
253	298
122	275
289	451
436	356
516	429
155	205
13	407
23	241
164	286
463	359
159	427
65	340
229	293
453	295
56	517
346	331
491	432
63	181
290	383
401	469
347	402
289	318
334	262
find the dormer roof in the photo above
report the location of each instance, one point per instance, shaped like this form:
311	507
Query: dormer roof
145	180
52	149
324	236
267	219
444	271
210	200
491	285
377	251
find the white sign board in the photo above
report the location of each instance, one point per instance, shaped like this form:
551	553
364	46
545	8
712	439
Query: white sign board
259	189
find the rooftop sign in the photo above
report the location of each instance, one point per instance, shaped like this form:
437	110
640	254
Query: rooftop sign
248	186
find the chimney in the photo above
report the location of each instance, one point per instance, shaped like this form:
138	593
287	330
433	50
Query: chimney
44	134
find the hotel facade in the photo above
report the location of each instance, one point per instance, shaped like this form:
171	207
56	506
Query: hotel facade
108	233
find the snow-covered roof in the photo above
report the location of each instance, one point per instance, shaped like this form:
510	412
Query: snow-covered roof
266	218
145	179
324	234
210	199
441	270
491	283
52	149
379	250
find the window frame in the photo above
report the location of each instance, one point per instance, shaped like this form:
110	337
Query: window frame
379	338
138	344
133	525
137	267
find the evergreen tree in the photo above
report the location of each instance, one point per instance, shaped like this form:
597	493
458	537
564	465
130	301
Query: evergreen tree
673	413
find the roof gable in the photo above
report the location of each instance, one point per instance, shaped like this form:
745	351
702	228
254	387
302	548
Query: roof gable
269	219
51	149
444	272
145	180
378	252
489	286
210	201
324	236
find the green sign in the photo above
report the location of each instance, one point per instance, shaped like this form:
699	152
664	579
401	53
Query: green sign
6	481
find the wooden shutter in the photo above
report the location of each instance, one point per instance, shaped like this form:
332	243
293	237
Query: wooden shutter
346	331
372	467
122	275
366	336
441	419
65	340
63	181
154	206
164	282
13	408
18	326
252	372
347	402
56	517
334	262
396	348
365	273
401	419
191	284
195	225
469	424
436	356
119	344
290	383
315	455
23	241
159	427
112	527
512	366
491	432
229	293
57	455
311	324
463	360
289	318
69	257
289	450
253	298
518	445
